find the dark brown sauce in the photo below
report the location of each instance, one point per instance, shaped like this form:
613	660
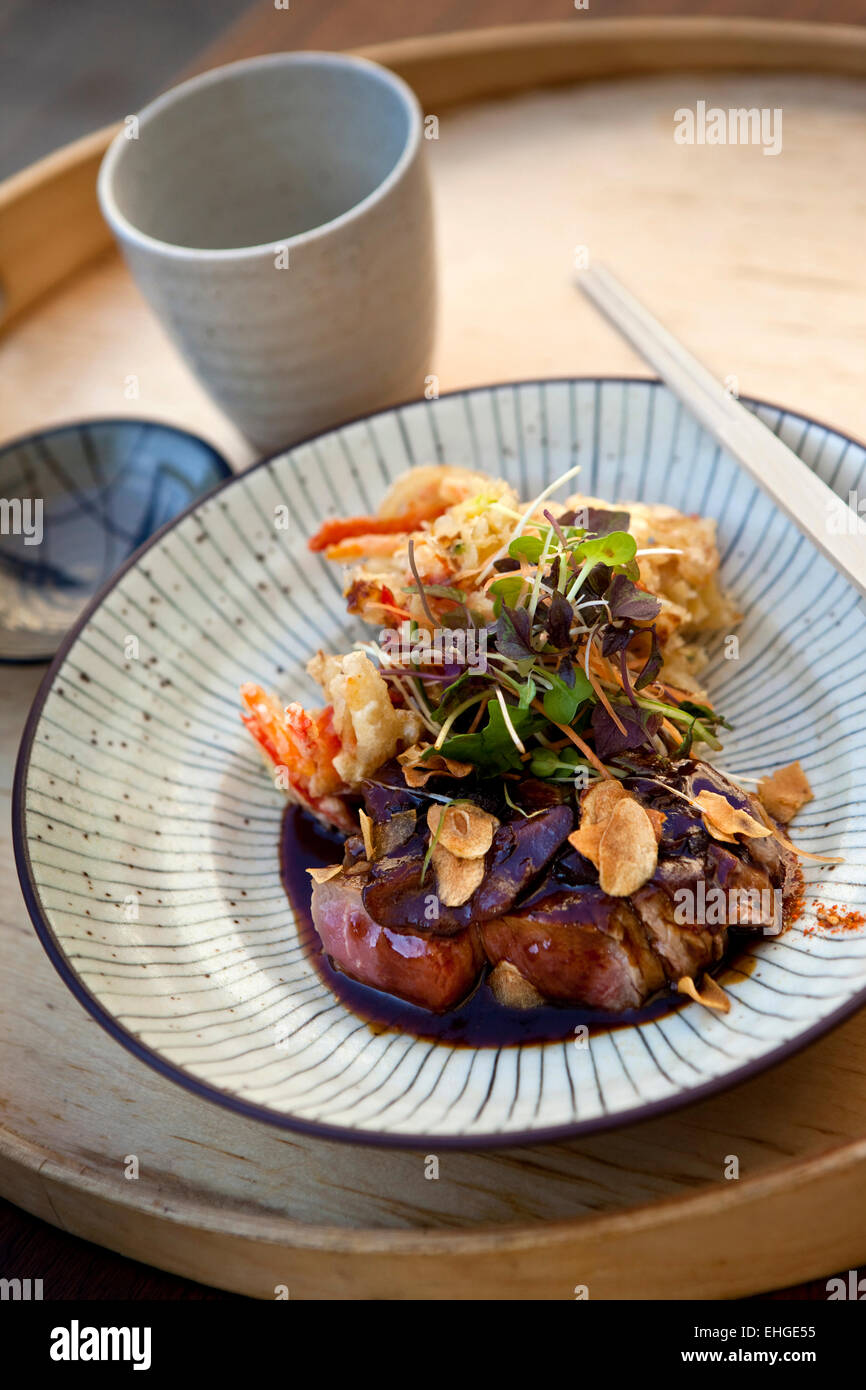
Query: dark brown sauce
479	1021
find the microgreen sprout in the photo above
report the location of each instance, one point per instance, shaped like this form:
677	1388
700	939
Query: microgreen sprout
529	512
573	672
434	840
508	724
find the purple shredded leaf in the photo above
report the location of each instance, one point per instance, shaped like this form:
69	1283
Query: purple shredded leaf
615	639
555	566
565	671
513	633
626	678
560	616
410	550
600	522
652	666
446	672
626	600
557	527
640	727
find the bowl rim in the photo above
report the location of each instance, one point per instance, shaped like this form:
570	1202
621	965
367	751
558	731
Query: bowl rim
74	427
128	233
230	1100
91	421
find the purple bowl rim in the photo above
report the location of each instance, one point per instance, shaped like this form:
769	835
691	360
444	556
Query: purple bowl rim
73	426
337	1133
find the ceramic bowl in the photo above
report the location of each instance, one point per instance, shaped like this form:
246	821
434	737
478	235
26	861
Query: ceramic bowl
75	502
277	214
147	831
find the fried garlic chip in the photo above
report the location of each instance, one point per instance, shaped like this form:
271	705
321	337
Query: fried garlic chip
725	821
711	994
322	875
511	989
597	804
628	850
785	792
463	828
456	879
417	770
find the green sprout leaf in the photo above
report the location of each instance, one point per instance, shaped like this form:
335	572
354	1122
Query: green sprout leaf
445	591
544	763
617	548
528	692
562	702
506	591
492	748
527	548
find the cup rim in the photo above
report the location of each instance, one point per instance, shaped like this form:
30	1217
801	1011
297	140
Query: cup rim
129	232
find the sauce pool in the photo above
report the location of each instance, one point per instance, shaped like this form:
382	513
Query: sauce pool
479	1021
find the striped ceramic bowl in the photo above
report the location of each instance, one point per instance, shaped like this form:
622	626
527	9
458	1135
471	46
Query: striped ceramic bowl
147	832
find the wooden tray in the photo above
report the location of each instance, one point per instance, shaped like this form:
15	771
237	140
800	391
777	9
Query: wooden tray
755	261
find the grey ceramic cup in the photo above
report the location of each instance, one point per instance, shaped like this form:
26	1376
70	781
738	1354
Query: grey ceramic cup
277	215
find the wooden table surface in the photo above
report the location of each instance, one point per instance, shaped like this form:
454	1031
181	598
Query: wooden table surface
165	42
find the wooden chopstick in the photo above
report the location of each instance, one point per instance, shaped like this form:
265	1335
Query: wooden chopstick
796	490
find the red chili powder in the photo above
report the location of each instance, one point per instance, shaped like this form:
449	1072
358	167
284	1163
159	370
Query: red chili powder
834	919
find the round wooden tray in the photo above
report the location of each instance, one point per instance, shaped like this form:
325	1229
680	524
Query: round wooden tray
755	262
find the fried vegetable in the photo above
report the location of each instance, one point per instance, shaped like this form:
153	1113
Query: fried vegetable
511	989
628	850
369	727
466	830
456	879
785	792
725	821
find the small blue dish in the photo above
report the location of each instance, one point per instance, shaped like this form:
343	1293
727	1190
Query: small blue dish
75	502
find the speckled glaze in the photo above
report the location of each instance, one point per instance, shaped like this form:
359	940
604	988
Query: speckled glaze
147	832
277	215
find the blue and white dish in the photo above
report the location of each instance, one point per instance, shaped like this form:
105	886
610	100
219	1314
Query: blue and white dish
147	833
75	502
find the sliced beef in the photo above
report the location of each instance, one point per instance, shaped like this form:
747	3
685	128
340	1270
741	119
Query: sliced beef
520	850
383	924
577	945
779	863
681	949
749	888
400	892
539	907
433	971
573	943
